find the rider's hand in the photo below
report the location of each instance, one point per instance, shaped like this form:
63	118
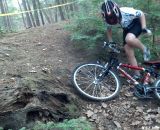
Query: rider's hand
147	31
111	42
108	44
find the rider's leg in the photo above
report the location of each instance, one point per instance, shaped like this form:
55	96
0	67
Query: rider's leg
131	57
134	42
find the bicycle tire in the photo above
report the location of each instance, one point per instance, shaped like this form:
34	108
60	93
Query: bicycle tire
157	88
85	77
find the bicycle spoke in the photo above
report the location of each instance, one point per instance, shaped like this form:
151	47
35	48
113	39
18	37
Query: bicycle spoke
96	71
105	89
86	75
83	83
100	90
87	82
89	71
107	85
83	79
95	91
88	86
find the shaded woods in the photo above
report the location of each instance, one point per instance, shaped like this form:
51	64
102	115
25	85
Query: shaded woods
33	13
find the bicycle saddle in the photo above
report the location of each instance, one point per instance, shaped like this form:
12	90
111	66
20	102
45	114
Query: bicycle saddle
154	63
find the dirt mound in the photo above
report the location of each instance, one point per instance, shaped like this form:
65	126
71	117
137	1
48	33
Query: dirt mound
35	80
35	70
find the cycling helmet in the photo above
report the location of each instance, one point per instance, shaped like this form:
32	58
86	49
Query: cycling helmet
111	12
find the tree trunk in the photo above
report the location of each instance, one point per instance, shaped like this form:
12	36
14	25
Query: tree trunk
36	12
56	14
60	10
8	18
29	23
40	11
48	11
67	11
5	23
71	7
30	13
24	22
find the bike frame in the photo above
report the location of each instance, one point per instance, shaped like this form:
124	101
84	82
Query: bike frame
114	62
123	72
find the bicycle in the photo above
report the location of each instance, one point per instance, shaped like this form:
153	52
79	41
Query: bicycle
101	82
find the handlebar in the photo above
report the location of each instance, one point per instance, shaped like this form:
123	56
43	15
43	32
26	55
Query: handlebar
111	46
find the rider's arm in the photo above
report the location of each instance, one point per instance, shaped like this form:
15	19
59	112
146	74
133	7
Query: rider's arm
143	20
109	34
131	13
141	16
109	29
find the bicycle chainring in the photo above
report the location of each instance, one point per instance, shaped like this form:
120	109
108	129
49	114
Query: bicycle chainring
141	94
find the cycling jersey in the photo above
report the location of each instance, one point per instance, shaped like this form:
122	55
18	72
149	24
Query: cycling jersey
128	15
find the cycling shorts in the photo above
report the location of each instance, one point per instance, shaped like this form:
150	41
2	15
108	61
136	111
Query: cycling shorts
134	28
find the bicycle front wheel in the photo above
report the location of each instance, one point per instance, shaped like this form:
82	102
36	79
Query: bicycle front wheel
86	80
157	88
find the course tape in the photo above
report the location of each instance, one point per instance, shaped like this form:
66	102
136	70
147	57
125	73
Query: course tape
55	6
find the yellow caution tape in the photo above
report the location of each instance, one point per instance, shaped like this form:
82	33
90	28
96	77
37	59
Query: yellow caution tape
55	6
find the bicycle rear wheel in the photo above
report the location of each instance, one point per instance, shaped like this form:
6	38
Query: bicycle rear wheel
157	88
85	79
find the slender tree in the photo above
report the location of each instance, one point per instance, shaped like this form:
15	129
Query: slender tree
6	21
36	12
48	13
30	13
24	22
29	23
60	10
8	18
40	11
56	14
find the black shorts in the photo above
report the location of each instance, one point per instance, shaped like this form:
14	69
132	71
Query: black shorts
134	28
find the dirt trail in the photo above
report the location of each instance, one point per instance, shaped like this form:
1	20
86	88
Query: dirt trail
43	59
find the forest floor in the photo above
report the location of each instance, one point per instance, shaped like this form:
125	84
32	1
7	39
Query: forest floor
37	54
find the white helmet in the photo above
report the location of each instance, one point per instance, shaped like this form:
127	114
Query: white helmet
111	12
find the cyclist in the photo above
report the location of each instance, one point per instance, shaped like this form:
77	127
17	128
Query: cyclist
133	23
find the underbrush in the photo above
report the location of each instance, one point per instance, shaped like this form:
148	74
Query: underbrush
73	124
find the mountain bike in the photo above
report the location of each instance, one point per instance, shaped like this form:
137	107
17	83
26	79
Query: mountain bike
101	82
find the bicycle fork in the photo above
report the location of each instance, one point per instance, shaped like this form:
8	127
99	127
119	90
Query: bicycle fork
104	72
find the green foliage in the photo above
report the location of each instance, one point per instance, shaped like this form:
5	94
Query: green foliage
88	27
73	124
23	128
72	108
